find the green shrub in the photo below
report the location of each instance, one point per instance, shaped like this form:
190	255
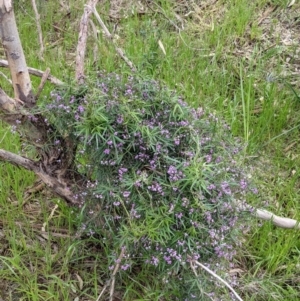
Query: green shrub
163	179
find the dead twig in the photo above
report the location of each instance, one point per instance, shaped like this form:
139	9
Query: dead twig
112	280
103	290
36	72
95	50
110	37
42	83
279	221
113	276
215	276
48	219
39	29
59	187
82	39
282	222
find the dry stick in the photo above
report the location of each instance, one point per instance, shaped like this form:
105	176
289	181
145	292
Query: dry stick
103	290
112	286
217	277
282	222
82	39
95	51
58	187
38	25
42	83
110	37
37	227
111	282
36	72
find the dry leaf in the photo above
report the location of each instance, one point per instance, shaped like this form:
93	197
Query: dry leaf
80	281
162	47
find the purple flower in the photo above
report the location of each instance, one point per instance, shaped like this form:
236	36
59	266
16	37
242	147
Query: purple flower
226	188
177	141
120	119
106	151
80	109
126	194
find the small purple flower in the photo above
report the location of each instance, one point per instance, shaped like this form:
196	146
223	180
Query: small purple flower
106	151
177	141
226	188
126	194
120	119
80	109
243	184
179	215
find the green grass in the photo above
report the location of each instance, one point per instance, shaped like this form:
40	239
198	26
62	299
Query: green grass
220	60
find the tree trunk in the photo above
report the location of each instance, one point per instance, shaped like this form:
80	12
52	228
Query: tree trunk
55	165
15	55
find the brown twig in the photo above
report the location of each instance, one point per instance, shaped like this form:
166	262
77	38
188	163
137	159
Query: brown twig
113	279
60	188
110	37
42	83
111	282
103	290
36	72
39	29
282	222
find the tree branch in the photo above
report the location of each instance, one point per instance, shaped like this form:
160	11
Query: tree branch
82	39
110	37
61	189
39	29
36	72
282	222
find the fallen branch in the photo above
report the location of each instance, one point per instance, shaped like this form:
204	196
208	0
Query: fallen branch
110	37
282	222
58	187
36	72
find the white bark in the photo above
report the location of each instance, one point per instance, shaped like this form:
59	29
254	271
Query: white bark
36	72
14	53
282	222
82	40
